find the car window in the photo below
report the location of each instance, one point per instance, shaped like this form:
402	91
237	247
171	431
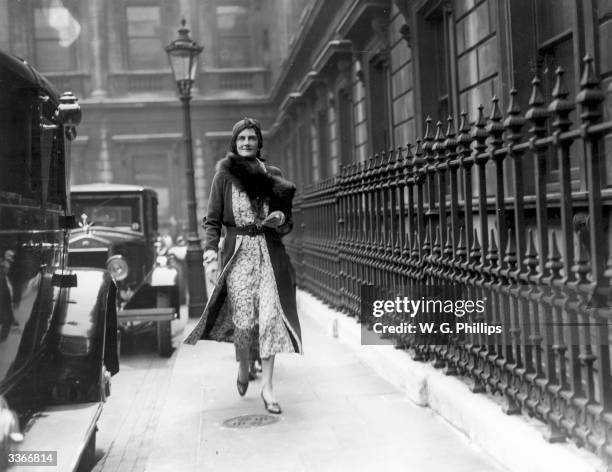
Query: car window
123	212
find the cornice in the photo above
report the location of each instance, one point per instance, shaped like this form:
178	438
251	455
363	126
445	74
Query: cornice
358	18
148	137
311	80
291	99
332	52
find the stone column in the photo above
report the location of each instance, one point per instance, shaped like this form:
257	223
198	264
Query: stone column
105	171
200	179
99	66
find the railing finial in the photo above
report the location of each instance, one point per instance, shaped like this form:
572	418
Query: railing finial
493	256
536	99
554	263
589	78
531	255
461	249
475	249
510	252
560	90
496	114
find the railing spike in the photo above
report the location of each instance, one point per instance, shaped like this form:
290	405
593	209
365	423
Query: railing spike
537	113
561	107
437	245
531	255
475	249
510	251
493	255
419	148
448	243
560	90
450	127
428	131
464	125
464	139
514	121
537	98
496	114
400	154
581	266
590	95
409	152
480	121
415	244
461	249
439	134
513	107
554	263
589	78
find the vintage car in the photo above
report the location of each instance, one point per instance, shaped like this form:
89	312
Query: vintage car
57	324
118	231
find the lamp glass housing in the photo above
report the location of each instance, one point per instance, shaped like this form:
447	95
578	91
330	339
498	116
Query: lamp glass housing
183	54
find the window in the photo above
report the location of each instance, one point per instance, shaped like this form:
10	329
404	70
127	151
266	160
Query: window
314	146
233	34
554	35
380	122
55	35
144	45
303	151
345	125
323	144
440	63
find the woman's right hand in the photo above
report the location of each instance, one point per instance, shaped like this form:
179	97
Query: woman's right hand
211	272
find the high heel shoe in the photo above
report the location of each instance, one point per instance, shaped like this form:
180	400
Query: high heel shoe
252	375
272	407
242	386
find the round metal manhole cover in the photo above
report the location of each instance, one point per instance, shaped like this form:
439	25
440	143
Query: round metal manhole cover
249	421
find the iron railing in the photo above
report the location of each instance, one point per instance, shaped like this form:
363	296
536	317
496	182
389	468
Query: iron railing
454	209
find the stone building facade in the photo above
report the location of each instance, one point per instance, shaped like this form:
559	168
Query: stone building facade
332	81
365	74
110	54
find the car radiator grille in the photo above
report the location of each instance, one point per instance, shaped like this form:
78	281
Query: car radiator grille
88	258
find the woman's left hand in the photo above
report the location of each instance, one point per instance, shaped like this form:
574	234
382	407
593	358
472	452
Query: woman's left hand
274	219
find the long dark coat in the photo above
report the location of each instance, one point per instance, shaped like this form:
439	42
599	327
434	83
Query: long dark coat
215	322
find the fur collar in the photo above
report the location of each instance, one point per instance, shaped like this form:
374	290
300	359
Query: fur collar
258	184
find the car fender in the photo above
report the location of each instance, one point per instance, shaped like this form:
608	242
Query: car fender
88	326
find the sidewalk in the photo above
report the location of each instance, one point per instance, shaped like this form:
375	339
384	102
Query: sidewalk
338	414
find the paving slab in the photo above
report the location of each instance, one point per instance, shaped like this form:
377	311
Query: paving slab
338	414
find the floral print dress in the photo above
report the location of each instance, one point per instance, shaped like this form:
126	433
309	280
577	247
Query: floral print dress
252	292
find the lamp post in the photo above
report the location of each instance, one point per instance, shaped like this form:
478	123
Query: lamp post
183	55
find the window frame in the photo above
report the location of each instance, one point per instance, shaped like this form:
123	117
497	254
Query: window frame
72	51
248	36
127	38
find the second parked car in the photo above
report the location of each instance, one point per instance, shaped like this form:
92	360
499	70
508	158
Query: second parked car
118	231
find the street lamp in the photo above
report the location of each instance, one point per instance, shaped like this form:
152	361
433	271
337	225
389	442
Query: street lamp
183	55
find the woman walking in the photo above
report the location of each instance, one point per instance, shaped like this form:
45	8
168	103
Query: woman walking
254	297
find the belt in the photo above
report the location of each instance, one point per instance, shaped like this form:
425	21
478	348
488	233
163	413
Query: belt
250	230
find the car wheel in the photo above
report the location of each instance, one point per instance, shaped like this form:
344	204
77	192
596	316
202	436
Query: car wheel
164	328
164	338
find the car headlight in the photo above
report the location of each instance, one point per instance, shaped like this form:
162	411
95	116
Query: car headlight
118	267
